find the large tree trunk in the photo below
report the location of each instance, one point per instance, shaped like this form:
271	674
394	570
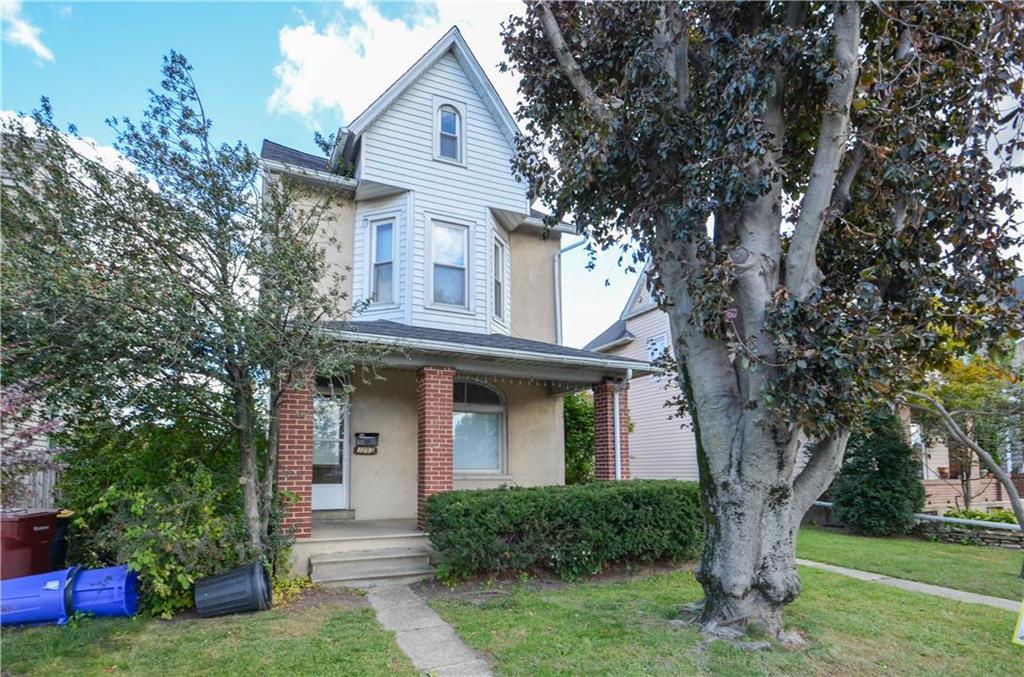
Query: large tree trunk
249	475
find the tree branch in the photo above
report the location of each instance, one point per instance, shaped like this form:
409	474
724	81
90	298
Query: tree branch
673	39
802	273
960	436
819	472
597	108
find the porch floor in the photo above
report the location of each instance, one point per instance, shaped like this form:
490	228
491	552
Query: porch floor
332	529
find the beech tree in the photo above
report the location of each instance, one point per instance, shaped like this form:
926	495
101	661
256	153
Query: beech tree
817	187
171	282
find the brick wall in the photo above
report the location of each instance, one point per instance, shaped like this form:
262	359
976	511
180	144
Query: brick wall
434	439
604	431
295	458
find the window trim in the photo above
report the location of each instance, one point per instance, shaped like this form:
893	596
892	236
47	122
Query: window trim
467	239
438	103
372	281
501	472
499	276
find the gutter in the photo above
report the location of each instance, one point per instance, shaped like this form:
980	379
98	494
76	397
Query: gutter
312	174
557	263
487	351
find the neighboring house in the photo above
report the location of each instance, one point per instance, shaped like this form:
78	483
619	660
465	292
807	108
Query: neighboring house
459	277
661	443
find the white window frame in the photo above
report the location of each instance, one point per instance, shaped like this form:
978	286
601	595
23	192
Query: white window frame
372	281
501	472
460	108
467	238
663	338
499	276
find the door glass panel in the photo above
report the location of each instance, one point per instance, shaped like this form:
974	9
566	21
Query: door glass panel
328	440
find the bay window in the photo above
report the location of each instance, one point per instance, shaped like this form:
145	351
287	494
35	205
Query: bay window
499	279
383	278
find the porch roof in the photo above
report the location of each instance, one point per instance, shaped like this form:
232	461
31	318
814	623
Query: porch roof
488	354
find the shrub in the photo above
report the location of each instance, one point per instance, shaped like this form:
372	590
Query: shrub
163	499
571	530
994	515
879	487
578	414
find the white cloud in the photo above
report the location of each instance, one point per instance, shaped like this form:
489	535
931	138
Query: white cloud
339	68
18	31
87	147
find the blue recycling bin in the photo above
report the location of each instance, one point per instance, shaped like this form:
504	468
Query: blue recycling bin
38	599
113	591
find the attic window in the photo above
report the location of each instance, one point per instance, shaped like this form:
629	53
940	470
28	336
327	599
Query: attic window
449	124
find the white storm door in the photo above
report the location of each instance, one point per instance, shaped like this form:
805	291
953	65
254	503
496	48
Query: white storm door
330	452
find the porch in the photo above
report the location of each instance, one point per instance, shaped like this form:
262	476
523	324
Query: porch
440	412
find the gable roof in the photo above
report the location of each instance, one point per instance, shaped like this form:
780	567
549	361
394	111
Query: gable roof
289	156
614	335
453	41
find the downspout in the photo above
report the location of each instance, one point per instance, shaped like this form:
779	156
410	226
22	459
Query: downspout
617	425
558	286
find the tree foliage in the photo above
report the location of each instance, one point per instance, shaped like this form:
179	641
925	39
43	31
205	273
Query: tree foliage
175	282
818	187
879	488
578	415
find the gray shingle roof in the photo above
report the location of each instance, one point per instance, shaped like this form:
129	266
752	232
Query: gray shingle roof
500	341
616	332
279	153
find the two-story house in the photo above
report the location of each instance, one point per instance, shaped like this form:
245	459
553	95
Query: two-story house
460	279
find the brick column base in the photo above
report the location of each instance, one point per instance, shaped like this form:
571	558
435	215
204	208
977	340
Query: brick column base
604	431
295	457
434	437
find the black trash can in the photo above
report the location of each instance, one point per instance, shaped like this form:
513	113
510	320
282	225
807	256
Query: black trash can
244	589
59	544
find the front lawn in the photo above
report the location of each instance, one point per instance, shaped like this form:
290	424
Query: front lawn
324	633
854	628
972	568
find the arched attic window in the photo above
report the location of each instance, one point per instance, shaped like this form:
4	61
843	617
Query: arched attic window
449	133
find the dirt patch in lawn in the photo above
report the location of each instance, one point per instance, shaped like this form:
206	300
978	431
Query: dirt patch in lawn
317	597
481	589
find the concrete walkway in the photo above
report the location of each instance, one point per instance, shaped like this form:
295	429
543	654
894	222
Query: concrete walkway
429	642
914	586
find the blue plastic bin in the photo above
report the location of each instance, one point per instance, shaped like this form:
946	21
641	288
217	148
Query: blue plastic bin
113	591
42	598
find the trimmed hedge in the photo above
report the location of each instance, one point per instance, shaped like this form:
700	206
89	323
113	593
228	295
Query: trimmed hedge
571	531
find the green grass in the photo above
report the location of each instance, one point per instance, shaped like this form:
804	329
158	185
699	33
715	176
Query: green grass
323	640
854	628
972	568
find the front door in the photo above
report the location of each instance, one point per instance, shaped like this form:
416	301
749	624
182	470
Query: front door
330	452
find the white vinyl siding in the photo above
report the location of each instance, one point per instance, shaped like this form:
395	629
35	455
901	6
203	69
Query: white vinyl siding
398	150
661	445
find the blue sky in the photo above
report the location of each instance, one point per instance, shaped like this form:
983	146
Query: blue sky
275	70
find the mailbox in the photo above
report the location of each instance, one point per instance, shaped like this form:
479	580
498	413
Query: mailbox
366	444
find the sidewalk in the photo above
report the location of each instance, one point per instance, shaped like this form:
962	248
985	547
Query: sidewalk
938	591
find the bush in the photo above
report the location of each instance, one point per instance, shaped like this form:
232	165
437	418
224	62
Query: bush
571	530
879	487
1001	515
578	415
163	499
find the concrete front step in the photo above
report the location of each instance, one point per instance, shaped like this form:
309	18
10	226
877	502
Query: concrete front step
348	568
406	579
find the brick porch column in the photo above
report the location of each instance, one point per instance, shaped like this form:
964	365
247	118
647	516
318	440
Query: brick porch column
604	430
434	436
295	458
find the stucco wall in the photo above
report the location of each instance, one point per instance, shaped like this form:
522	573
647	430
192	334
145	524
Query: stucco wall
337	222
533	285
536	438
384	485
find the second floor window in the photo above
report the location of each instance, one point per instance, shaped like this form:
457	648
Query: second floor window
450	245
499	279
383	262
449	124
